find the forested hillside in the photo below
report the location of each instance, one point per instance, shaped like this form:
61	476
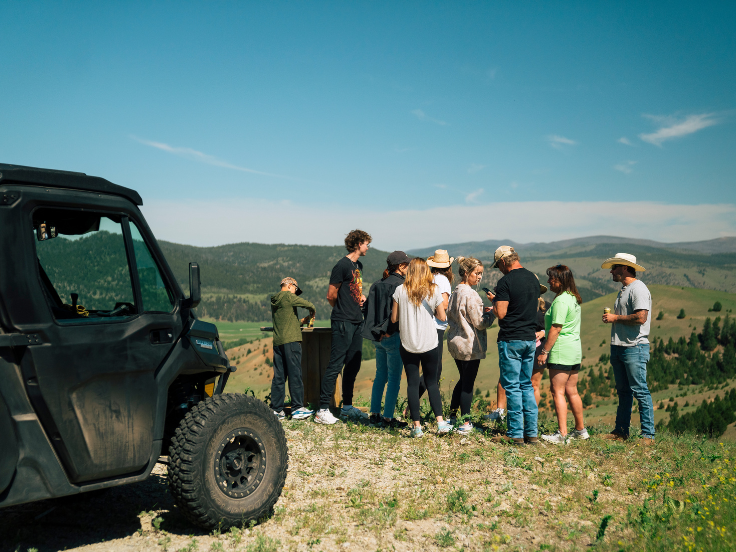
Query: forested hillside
238	279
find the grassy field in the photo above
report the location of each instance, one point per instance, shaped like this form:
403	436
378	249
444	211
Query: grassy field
353	487
255	373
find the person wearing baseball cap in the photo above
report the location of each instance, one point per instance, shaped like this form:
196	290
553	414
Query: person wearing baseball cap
515	305
630	322
385	336
287	349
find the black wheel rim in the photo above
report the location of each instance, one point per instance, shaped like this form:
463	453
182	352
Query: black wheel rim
240	463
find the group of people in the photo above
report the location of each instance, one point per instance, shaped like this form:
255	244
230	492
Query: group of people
412	310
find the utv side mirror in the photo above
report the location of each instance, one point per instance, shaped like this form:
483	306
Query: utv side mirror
195	293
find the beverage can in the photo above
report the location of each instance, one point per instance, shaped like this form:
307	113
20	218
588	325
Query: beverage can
607	311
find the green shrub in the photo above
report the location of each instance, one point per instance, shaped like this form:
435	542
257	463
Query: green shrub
681	315
587	399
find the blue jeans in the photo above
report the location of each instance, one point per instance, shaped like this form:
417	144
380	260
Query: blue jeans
630	370
388	369
516	360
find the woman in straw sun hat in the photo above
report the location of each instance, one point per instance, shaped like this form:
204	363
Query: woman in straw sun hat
441	266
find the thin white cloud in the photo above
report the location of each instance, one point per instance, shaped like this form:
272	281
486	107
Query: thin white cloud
422	116
475	167
626	167
624	140
205	223
559	142
472	196
671	127
194	155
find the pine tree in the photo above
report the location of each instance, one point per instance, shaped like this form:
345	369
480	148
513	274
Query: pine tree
681	315
708	337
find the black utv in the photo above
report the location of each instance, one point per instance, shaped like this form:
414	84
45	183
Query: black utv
104	366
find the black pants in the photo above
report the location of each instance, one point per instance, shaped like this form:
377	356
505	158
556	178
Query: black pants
462	395
423	381
428	361
346	350
287	364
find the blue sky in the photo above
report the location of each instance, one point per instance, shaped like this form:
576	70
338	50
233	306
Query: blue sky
421	122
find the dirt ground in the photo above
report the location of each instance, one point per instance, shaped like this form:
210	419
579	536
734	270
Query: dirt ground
355	487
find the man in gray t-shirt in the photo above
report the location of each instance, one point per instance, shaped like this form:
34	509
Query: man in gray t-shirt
630	346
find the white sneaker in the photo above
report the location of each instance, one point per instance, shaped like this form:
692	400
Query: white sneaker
444	427
465	429
575	434
556	438
355	413
324	416
301	413
496	414
280	415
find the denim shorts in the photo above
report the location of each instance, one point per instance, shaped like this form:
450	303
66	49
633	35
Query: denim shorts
563	367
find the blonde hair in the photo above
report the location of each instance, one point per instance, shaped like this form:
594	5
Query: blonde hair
542	304
466	265
419	283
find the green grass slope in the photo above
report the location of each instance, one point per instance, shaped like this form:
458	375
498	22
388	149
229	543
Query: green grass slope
255	373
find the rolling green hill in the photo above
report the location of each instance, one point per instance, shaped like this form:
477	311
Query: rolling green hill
238	279
595	336
704	265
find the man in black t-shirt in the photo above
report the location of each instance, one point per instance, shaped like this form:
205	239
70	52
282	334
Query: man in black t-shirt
345	296
515	305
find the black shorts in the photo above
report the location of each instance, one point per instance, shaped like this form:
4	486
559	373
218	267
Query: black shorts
563	367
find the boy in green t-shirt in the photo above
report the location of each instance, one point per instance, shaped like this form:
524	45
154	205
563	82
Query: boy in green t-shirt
287	349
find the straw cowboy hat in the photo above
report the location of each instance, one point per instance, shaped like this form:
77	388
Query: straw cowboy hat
440	259
623	259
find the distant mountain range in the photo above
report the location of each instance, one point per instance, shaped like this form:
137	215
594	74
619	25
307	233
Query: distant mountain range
718	245
707	264
238	279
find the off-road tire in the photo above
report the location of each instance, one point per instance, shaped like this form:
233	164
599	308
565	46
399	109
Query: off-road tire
206	474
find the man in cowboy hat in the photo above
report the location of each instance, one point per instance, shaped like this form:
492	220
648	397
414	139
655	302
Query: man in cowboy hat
630	322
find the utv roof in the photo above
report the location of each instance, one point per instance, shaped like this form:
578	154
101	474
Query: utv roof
33	176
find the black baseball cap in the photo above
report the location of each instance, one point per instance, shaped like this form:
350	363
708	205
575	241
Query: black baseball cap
397	258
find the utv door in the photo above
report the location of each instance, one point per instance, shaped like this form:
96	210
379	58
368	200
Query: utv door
112	318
